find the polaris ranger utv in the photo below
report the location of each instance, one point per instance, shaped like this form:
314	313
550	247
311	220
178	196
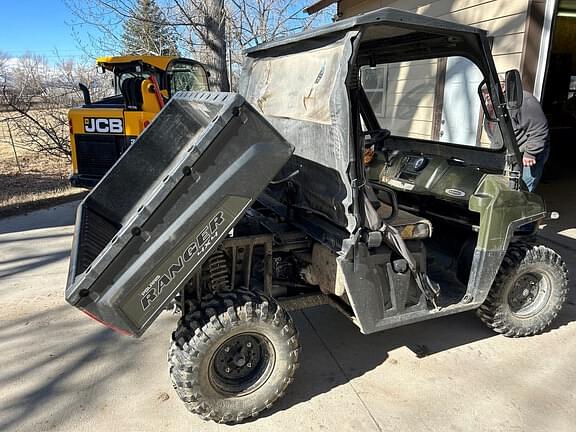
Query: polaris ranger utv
315	185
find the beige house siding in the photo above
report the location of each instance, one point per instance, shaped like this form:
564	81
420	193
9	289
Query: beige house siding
410	98
505	20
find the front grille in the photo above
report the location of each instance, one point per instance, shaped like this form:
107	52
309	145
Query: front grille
95	154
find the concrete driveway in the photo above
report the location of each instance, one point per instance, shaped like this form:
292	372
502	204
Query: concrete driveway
62	371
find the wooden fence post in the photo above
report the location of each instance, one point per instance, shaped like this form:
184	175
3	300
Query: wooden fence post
13	147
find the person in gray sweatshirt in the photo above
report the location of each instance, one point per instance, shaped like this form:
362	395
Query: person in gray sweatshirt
533	137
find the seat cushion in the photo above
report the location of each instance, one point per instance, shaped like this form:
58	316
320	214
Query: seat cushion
410	226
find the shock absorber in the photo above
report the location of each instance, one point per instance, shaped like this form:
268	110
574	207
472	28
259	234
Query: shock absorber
219	273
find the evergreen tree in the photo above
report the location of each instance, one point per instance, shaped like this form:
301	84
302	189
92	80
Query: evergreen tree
147	32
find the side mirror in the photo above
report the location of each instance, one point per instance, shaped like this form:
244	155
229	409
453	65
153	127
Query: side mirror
514	92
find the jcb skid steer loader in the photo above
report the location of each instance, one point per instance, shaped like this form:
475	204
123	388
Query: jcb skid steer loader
100	131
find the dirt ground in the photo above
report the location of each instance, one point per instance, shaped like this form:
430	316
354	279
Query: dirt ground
32	182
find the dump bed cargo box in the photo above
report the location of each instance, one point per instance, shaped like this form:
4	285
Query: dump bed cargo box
167	203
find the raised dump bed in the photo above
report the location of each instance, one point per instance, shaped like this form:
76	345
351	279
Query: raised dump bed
167	203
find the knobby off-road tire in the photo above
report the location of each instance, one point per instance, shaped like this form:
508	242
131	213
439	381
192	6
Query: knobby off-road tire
233	356
528	291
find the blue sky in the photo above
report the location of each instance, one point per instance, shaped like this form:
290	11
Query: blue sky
43	26
37	26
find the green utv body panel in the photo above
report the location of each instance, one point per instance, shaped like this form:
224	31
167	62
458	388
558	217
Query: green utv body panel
161	211
501	211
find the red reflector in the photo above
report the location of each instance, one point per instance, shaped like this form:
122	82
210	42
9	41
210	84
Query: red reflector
105	324
146	123
70	126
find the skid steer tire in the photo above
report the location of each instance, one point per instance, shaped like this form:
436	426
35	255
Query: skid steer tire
233	356
528	291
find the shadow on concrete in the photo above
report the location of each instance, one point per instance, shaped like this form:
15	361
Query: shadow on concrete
46	365
334	352
43	364
560	234
57	216
28	263
40	236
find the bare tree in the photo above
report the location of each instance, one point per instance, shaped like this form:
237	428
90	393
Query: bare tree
36	98
3	62
203	32
214	32
252	22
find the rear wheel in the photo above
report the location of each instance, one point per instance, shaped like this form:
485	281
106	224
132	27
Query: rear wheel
528	292
233	356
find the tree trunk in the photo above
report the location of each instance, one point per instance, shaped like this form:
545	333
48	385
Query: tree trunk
215	40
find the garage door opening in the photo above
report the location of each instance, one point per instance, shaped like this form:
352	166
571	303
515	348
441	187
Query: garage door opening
559	94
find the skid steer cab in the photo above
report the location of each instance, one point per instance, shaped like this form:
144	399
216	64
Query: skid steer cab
370	165
100	131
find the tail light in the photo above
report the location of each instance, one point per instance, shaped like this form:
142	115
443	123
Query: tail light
105	324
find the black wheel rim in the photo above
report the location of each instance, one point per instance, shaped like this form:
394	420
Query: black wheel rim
242	364
529	294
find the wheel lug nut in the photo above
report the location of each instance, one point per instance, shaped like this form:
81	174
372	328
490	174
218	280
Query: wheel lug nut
249	365
249	344
228	370
227	349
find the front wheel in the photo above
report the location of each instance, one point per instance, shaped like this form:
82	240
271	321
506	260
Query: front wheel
528	291
233	356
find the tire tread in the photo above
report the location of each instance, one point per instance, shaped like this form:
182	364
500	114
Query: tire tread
194	333
494	312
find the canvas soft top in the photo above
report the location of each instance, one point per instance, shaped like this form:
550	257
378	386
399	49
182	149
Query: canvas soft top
302	85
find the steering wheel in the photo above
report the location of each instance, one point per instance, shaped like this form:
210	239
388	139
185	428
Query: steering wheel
377	138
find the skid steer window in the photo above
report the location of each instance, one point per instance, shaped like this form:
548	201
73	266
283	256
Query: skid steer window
126	75
186	77
432	99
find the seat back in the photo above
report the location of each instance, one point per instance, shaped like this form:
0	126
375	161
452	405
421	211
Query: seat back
132	93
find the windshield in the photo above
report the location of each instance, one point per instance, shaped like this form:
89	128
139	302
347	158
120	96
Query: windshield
433	99
180	76
185	76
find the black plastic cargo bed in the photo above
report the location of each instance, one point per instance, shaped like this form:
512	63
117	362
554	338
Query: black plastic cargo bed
163	208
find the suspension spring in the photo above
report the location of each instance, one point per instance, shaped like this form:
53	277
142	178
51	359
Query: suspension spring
219	274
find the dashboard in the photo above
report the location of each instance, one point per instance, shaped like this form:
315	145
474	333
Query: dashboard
450	179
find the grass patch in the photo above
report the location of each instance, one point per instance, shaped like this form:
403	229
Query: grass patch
41	181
